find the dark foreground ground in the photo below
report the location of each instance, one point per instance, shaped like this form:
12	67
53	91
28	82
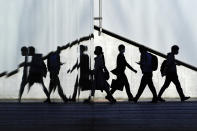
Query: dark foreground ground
169	116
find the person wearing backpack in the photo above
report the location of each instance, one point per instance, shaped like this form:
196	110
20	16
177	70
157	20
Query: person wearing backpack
122	80
169	69
147	66
54	64
37	71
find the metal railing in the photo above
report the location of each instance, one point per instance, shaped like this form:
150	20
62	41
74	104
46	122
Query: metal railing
140	45
68	45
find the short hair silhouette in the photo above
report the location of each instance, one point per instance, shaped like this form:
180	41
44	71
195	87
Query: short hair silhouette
24	51
174	48
98	50
83	48
31	50
121	47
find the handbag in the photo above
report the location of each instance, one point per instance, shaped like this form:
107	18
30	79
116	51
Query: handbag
106	73
117	84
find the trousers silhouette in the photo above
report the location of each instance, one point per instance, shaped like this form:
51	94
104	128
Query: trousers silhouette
146	80
23	84
55	82
124	80
172	77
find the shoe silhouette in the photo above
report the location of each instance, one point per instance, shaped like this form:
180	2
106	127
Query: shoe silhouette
185	98
160	99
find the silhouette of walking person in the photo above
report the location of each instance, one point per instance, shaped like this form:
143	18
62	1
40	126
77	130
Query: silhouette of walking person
37	71
84	82
24	52
120	72
54	64
100	78
170	71
146	67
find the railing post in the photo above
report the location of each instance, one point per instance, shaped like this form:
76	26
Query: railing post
100	17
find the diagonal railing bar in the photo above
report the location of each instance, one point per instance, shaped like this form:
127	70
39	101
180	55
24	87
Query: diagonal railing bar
140	45
68	45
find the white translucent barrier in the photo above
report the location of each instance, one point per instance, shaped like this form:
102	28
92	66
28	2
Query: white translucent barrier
9	87
110	45
44	24
158	24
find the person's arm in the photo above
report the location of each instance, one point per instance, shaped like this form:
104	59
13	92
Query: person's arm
131	68
142	62
75	66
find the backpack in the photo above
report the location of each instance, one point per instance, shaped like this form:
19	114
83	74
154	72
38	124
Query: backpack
162	69
154	62
53	62
38	66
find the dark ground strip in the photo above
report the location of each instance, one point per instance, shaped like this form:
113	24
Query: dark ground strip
175	116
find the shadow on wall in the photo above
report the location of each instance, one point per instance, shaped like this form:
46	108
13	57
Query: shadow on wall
69	45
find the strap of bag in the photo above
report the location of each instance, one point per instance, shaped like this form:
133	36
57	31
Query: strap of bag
104	63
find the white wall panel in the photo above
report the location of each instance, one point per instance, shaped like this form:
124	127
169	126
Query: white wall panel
158	24
44	24
110	45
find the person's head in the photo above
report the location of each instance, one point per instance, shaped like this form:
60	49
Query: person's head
31	50
98	50
121	48
83	48
142	49
24	51
175	49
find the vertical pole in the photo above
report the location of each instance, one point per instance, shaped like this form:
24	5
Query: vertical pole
100	17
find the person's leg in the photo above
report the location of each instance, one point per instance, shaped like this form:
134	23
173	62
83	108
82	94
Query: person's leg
152	88
109	95
21	90
92	92
141	88
75	90
45	89
179	89
60	90
165	85
51	86
127	86
112	91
